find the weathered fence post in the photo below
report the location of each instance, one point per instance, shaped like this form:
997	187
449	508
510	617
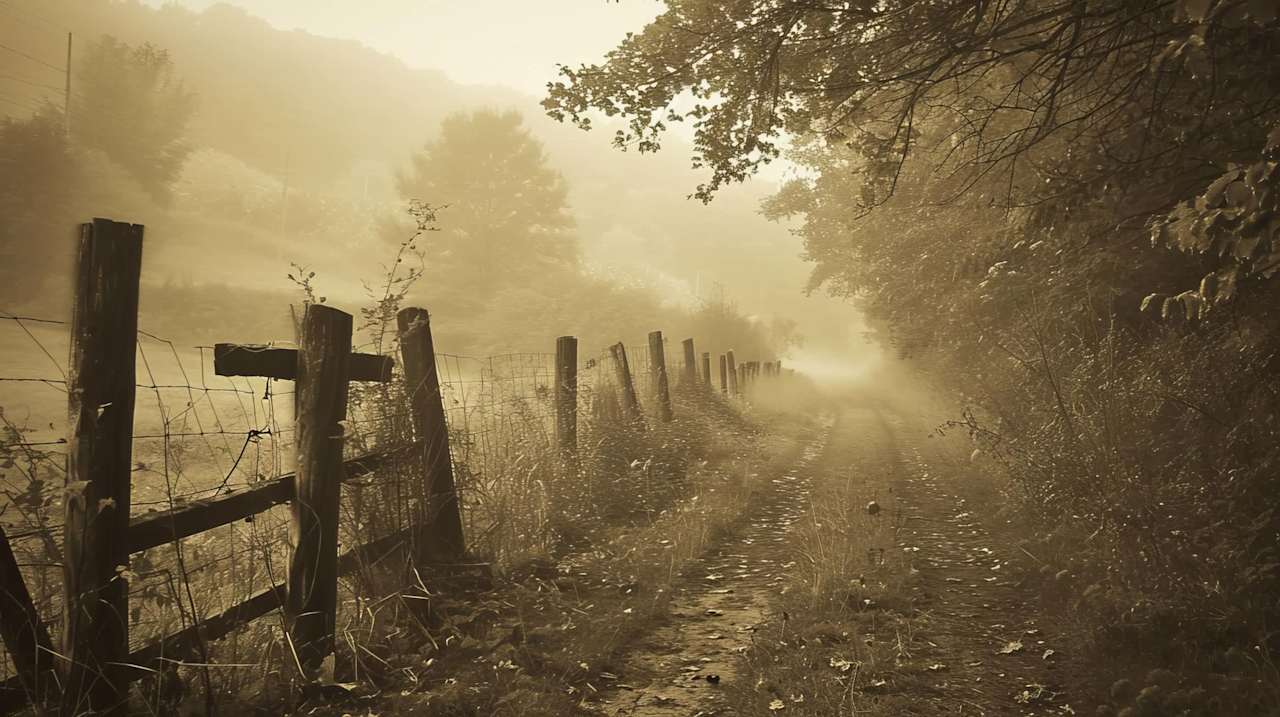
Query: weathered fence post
324	358
658	372
566	398
706	369
622	372
100	392
438	536
25	636
733	374
690	363
724	376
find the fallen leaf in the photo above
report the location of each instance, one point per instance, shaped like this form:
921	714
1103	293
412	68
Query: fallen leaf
1012	647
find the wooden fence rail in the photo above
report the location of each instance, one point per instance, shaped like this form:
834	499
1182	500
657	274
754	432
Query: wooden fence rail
161	527
438	537
100	391
622	373
566	399
95	663
690	375
658	375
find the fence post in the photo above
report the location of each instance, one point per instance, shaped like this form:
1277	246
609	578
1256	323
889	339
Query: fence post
324	358
706	369
724	376
438	535
100	392
25	636
733	374
622	372
658	371
690	363
566	398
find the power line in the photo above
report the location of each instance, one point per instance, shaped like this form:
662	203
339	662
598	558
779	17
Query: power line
30	83
33	58
25	106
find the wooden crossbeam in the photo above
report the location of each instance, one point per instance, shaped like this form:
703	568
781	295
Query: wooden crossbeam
274	362
153	529
184	644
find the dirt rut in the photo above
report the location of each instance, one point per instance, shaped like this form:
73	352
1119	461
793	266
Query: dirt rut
683	668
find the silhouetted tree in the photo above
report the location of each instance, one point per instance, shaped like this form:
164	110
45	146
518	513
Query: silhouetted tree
130	105
505	217
38	176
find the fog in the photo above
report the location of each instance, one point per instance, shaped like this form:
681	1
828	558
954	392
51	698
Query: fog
585	357
281	133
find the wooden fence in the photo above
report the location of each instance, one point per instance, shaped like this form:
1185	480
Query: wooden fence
93	668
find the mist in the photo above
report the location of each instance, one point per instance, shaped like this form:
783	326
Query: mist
656	358
278	146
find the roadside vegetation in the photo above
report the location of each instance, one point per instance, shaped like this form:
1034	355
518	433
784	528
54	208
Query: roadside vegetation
1062	214
547	634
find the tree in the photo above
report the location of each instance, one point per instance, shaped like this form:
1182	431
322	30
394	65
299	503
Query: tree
130	106
985	179
505	217
38	178
1011	86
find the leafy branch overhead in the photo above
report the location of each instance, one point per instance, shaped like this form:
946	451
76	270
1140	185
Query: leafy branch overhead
1012	84
1235	224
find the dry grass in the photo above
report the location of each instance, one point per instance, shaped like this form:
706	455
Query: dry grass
549	637
842	627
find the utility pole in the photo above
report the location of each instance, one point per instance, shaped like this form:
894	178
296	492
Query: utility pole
66	96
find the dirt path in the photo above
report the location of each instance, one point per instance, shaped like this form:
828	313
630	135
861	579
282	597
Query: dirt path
683	668
976	648
976	620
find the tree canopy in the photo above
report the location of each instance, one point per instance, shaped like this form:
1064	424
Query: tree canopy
131	106
1002	186
505	213
1053	97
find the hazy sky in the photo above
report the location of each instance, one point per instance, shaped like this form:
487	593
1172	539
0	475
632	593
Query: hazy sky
505	42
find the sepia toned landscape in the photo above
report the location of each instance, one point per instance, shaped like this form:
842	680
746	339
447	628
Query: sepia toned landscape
653	358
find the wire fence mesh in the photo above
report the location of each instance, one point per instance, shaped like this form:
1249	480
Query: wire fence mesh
198	435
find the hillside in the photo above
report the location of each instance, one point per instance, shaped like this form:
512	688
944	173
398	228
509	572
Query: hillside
328	123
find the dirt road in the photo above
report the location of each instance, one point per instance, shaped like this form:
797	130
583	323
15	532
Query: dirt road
687	666
976	645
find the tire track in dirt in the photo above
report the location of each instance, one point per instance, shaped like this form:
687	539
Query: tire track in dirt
687	664
980	631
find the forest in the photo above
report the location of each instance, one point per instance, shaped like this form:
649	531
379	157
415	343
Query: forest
975	412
